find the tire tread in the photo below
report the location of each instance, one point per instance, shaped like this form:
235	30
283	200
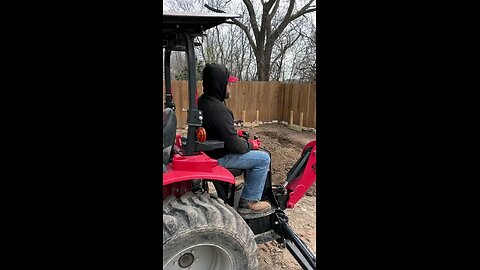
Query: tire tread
191	212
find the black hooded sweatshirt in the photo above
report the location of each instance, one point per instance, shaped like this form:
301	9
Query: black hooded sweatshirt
217	117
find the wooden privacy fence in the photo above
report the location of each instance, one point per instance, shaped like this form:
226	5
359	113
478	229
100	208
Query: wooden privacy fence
272	100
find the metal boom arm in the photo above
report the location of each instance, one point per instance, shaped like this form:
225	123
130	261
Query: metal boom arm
300	251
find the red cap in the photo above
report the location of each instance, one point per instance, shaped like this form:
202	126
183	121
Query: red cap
232	79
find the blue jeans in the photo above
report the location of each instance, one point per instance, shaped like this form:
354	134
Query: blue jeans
256	163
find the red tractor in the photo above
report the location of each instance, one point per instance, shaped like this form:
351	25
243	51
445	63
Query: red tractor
202	229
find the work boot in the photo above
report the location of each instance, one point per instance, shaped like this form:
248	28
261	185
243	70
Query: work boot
259	206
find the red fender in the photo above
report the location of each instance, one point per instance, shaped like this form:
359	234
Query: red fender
198	166
183	169
299	185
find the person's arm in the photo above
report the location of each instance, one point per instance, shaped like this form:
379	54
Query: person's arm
226	130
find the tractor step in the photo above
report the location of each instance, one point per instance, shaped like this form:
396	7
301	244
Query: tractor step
246	213
267	236
259	222
249	214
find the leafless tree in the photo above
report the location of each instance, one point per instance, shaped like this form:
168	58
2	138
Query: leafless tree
306	65
286	50
263	32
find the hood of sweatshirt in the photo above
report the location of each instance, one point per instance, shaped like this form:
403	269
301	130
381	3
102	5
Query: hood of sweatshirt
215	80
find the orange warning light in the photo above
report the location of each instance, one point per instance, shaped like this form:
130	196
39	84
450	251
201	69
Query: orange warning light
201	134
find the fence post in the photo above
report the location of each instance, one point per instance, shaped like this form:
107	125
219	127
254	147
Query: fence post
291	117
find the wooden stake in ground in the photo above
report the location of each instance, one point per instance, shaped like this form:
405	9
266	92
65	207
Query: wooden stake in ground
243	116
301	119
258	115
291	117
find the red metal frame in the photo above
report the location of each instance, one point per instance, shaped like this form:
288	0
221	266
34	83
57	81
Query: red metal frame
299	185
183	169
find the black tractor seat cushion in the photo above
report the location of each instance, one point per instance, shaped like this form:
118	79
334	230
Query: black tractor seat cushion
169	130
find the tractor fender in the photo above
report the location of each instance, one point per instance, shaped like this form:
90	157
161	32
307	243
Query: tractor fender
199	166
218	173
177	179
178	183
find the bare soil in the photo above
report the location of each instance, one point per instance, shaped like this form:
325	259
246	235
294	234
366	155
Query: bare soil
285	146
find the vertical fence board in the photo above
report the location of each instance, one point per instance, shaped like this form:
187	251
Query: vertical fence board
303	101
281	99
313	98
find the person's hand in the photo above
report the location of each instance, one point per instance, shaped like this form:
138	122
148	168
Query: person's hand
244	134
255	143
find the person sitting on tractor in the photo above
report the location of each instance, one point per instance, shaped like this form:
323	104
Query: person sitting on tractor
237	153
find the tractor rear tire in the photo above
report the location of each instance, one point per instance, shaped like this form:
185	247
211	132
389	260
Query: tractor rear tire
202	232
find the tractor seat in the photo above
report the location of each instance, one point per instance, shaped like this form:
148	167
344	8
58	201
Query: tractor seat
169	130
236	172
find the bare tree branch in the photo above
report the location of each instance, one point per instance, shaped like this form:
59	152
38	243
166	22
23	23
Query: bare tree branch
239	24
284	49
289	18
253	18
